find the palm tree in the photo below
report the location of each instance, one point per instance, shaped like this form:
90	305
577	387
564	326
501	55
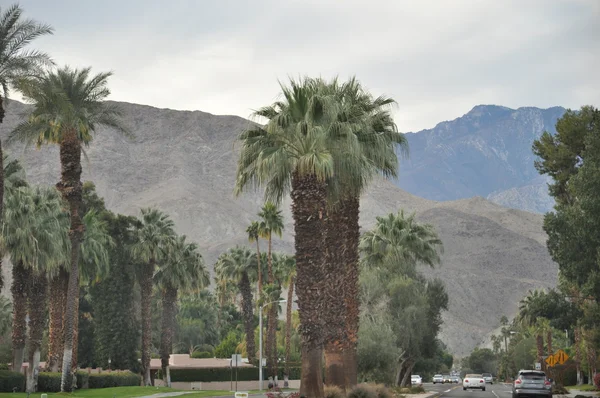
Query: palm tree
237	265
285	275
182	270
291	154
369	122
154	235
34	232
68	108
16	62
253	232
271	223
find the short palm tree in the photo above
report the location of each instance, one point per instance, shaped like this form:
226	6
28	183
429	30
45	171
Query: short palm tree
182	270
291	155
16	61
154	235
238	265
34	233
68	107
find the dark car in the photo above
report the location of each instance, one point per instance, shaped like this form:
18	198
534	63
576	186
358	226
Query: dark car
532	382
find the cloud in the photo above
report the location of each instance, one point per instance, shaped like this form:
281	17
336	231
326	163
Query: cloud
436	58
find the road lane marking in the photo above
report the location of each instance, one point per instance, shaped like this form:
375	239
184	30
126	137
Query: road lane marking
496	395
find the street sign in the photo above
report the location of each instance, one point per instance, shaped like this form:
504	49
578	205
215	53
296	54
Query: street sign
551	360
538	366
561	357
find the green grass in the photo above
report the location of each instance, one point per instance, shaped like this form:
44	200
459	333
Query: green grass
119	392
583	387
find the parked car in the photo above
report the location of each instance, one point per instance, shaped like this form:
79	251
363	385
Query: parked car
416	380
532	382
447	379
488	378
454	379
438	379
474	381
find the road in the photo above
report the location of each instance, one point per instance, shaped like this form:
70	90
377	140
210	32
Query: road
455	391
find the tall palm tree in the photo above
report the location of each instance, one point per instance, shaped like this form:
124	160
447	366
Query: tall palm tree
238	265
285	275
34	230
154	235
68	108
271	223
253	232
16	61
291	155
369	121
182	270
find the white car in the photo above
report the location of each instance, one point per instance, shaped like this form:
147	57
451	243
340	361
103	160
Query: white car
474	381
438	379
416	380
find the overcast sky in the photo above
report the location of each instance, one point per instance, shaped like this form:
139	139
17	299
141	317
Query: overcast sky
436	58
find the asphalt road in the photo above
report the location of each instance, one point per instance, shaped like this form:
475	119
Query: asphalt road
455	391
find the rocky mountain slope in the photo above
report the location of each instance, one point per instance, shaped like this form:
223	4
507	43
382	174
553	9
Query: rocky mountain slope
184	163
486	152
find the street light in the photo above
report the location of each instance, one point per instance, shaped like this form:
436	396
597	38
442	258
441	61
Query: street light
260	366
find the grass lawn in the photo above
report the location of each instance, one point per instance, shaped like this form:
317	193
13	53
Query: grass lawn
583	387
119	392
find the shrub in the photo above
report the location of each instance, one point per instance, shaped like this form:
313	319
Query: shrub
49	381
201	354
83	380
222	374
417	390
362	391
114	379
4	366
10	381
382	391
597	380
333	392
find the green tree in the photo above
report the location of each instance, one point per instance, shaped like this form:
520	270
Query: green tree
197	321
154	234
68	107
16	61
237	265
228	345
182	270
254	232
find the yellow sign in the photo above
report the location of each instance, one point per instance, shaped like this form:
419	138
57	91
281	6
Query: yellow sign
561	357
551	360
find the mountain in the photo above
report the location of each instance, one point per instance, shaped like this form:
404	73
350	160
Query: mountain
184	163
486	152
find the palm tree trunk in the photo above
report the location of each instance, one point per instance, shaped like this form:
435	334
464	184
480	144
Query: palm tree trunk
146	293
36	303
247	313
273	334
578	354
70	187
169	311
1	188
549	342
57	303
308	208
75	359
260	282
539	339
351	209
288	327
272	318
18	289
335	310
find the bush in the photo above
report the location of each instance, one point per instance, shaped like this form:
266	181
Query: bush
362	391
201	354
4	366
223	374
333	392
83	380
114	379
417	390
597	380
49	381
382	391
10	381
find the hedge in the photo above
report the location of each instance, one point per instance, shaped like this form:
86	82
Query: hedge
114	379
202	354
223	374
10	381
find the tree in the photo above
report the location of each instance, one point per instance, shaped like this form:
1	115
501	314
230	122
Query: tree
16	61
182	270
271	223
237	265
285	275
291	154
253	232
35	235
67	108
154	234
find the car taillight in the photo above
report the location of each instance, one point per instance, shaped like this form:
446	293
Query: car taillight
547	384
482	381
466	380
518	381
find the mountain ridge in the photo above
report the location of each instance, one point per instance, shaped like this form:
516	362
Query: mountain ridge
184	162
